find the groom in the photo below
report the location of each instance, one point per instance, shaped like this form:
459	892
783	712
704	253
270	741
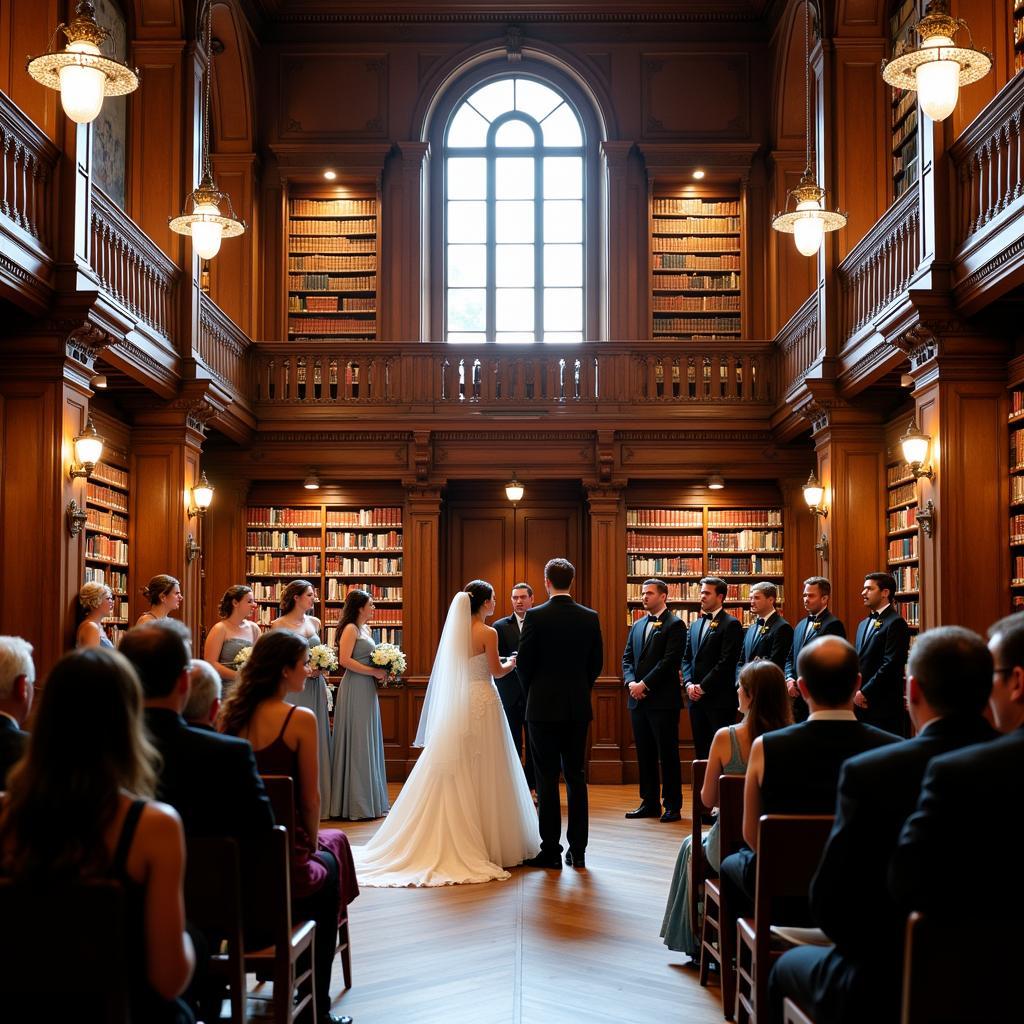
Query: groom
560	657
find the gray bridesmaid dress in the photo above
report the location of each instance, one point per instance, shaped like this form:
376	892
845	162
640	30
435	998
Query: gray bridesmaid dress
314	696
226	658
359	788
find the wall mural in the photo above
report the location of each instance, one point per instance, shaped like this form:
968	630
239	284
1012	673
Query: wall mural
109	130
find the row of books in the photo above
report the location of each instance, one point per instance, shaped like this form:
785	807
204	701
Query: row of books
115	633
1017	529
330	304
280	565
104	473
911	611
1017	448
903	547
716	324
696	243
705	225
368	541
902	495
332	228
1017	489
339	325
331	245
346	566
97	519
663	541
334	207
745	517
899	17
903	104
119	613
746	540
99	545
380	634
902	519
106	495
1018	568
894	474
337	591
281	540
327	283
908	127
664	517
308	517
691	591
113	578
322	263
696	207
751	565
381	616
906	157
908	578
681	261
385	515
697	304
698	282
637	565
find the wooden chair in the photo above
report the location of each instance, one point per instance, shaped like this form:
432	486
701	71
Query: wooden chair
281	791
792	1014
789	847
698	862
64	948
717	942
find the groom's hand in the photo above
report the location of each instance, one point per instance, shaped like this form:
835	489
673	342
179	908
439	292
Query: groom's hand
637	691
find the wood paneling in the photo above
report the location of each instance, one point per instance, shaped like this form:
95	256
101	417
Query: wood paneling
333	96
717	91
26	27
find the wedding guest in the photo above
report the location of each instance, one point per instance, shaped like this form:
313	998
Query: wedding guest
285	739
818	622
80	807
510	687
883	640
204	695
95	603
164	596
17	679
359	788
235	631
297	602
765	706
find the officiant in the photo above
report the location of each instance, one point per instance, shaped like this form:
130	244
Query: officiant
510	688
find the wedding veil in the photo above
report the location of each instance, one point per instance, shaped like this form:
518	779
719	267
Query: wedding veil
444	721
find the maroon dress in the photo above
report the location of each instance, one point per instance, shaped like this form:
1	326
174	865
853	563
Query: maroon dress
308	872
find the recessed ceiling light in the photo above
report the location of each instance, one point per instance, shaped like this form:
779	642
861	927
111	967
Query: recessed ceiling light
330	175
715	482
312	482
698	174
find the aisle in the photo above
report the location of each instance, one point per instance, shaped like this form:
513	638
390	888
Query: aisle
541	948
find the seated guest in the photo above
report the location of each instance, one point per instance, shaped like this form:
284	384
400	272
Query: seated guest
948	682
17	676
79	807
284	738
95	603
764	705
796	770
204	691
983	783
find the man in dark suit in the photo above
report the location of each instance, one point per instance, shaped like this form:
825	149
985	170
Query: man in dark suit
769	636
17	679
949	677
510	687
883	640
819	622
795	770
650	671
204	693
560	658
709	666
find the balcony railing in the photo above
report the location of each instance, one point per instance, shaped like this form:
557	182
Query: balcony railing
222	347
799	343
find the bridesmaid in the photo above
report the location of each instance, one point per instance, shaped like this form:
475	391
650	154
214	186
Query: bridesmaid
164	594
235	630
96	601
359	788
296	603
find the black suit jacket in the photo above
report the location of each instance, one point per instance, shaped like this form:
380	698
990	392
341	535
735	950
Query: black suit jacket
774	645
830	626
985	784
209	779
560	658
883	659
878	791
13	742
510	687
712	663
656	663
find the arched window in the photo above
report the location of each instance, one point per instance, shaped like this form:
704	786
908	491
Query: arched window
514	215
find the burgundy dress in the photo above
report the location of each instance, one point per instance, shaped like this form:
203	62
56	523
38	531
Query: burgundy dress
308	872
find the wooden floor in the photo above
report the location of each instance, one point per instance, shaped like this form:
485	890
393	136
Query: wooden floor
542	948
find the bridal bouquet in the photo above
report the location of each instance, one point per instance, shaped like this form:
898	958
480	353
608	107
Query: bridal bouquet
241	657
323	658
390	658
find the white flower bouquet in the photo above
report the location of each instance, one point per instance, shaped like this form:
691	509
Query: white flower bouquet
241	657
323	658
392	660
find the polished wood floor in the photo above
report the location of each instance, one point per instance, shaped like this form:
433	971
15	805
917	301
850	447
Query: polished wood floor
542	948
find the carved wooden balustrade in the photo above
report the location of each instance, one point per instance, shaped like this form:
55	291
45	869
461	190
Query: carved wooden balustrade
222	347
799	344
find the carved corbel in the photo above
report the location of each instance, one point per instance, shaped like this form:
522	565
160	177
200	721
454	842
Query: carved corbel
514	43
919	343
421	455
86	342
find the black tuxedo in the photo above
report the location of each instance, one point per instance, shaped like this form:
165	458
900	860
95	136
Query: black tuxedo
560	658
510	689
824	624
771	642
860	978
709	660
882	650
654	661
13	742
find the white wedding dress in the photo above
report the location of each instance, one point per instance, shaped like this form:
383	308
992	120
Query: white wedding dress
465	812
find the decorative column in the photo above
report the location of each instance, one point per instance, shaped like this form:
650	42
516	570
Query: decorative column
406	315
624	314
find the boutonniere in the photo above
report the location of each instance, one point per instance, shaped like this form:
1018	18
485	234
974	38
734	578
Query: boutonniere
712	625
762	631
816	624
878	623
655	625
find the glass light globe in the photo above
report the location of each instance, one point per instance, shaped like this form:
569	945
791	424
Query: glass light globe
202	494
808	231
206	235
81	88
938	81
813	493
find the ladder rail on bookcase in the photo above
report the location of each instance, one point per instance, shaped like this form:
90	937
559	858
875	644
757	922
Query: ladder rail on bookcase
108	538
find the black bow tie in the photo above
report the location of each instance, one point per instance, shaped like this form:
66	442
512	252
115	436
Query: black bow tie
654	618
710	616
875	615
760	622
812	618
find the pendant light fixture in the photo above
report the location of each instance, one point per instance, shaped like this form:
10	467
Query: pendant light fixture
202	217
79	72
808	221
938	67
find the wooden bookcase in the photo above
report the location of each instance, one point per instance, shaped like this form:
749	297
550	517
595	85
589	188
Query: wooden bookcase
1016	429
696	259
680	545
333	237
903	554
107	536
1018	35
904	109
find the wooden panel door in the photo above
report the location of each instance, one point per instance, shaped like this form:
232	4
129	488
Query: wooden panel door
540	535
481	545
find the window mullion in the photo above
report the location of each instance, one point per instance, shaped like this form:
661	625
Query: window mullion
538	244
492	253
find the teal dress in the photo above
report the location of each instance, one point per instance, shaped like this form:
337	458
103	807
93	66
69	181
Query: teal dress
313	695
359	787
675	928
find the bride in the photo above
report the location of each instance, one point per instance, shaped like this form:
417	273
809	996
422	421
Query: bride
465	812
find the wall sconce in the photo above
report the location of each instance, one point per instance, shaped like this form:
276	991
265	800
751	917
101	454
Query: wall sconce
514	490
915	450
76	518
814	493
715	482
926	518
191	549
202	498
88	451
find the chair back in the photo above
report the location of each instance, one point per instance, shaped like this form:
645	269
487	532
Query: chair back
213	888
730	813
698	862
64	945
281	793
789	847
268	905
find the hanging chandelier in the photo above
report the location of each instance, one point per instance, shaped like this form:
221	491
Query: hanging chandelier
79	72
807	220
938	67
203	217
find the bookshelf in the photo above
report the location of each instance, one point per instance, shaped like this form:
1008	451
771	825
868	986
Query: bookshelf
903	537
904	108
680	545
107	537
696	254
1016	427
332	266
1018	35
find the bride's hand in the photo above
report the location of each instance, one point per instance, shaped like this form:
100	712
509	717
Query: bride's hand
510	661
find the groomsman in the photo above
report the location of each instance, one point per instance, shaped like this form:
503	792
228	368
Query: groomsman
769	636
883	641
819	622
709	665
650	671
510	687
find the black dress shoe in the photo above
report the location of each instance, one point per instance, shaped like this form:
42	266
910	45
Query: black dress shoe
575	860
671	816
333	1018
544	860
643	811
